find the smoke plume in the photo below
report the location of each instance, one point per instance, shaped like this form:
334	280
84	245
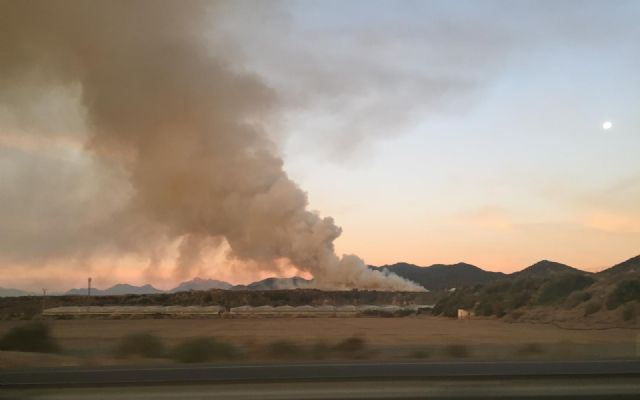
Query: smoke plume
185	126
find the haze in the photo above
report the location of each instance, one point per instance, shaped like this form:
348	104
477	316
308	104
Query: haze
432	132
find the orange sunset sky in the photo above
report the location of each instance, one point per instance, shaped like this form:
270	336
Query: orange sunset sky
430	132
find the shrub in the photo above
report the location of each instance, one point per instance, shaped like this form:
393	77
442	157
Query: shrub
403	313
207	298
518	300
140	344
284	349
529	349
202	349
448	306
516	314
495	298
320	350
624	292
629	312
352	345
577	297
484	309
457	351
592	307
562	285
31	337
420	353
498	287
377	313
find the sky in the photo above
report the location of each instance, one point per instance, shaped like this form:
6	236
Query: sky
431	131
503	165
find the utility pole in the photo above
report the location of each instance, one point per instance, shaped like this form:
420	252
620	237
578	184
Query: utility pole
44	296
88	293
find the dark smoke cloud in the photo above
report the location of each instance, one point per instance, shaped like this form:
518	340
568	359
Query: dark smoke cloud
185	127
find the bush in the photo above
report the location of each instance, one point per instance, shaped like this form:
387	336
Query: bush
202	349
352	345
529	349
448	306
624	292
320	350
457	351
377	313
31	337
577	298
284	349
495	298
498	287
142	345
562	285
515	315
629	312
484	309
420	353
592	307
403	313
518	300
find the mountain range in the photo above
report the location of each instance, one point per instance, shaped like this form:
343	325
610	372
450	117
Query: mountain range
442	276
116	290
8	292
201	284
629	266
434	277
197	284
295	282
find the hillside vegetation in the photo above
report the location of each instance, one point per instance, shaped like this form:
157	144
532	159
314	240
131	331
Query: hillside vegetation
556	295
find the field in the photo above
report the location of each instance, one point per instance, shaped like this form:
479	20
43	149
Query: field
92	341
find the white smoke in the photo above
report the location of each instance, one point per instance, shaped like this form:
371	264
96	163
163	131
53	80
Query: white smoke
186	129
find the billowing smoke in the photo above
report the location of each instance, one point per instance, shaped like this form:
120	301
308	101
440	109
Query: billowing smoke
185	125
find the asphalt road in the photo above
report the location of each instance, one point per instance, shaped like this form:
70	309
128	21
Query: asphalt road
586	379
599	388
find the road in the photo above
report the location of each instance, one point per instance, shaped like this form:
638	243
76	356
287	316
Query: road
587	379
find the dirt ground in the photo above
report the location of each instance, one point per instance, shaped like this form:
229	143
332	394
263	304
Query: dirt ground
393	337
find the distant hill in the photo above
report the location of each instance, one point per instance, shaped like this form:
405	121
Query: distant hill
201	284
8	292
295	282
442	276
196	284
544	268
630	266
551	292
116	290
434	277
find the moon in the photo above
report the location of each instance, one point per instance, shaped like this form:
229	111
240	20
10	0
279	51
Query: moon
606	125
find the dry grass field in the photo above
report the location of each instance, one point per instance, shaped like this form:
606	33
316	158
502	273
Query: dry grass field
387	338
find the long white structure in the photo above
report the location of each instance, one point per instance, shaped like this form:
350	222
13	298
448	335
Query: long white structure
239	312
116	311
